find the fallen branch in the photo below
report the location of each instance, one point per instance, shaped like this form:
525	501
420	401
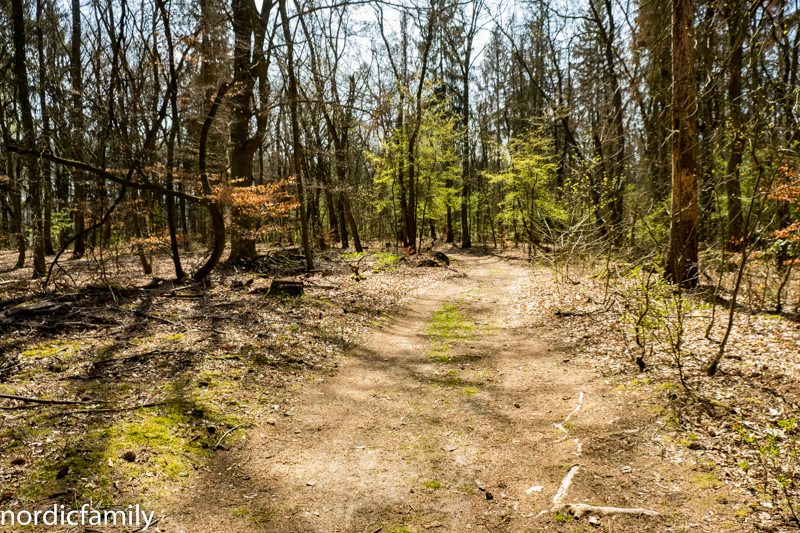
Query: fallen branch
39	400
328	287
109	409
225	435
579	509
153	317
565	483
171	291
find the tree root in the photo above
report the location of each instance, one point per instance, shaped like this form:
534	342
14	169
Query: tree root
565	483
579	509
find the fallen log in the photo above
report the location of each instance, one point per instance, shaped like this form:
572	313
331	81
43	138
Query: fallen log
285	287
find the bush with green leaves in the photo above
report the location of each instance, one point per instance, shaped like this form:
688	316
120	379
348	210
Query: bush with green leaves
774	462
657	315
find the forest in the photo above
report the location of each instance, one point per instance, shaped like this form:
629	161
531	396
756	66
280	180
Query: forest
654	130
393	266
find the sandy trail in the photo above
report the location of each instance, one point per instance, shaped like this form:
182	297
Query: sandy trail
452	417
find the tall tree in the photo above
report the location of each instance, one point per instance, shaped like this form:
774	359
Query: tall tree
682	253
28	137
296	146
77	140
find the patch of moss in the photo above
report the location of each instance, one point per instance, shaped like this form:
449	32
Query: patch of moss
46	350
671	420
450	323
399	529
706	480
433	484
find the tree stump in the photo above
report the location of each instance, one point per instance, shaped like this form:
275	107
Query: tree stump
280	288
440	256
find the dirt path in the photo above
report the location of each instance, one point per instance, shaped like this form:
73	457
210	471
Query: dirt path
444	420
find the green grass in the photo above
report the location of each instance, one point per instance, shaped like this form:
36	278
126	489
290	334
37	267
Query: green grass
352	255
450	323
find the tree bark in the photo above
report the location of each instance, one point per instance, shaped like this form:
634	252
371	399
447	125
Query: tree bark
76	68
173	97
45	138
214	207
28	138
682	255
733	188
287	35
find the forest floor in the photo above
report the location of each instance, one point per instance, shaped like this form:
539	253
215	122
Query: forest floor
488	396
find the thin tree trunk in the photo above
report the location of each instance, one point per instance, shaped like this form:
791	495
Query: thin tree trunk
45	138
147	268
343	221
28	138
287	35
732	181
76	69
173	96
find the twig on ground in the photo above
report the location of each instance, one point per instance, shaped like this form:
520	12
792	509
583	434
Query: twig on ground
565	483
579	509
40	400
109	410
225	435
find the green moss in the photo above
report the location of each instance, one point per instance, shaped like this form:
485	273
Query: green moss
450	323
384	261
433	484
399	529
671	420
706	480
51	349
352	255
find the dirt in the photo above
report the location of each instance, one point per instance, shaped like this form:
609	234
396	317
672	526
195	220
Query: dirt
446	418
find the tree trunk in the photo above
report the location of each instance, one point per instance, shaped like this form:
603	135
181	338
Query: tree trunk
76	68
45	138
15	187
343	221
681	260
243	149
732	182
137	232
287	35
173	132
213	205
28	138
